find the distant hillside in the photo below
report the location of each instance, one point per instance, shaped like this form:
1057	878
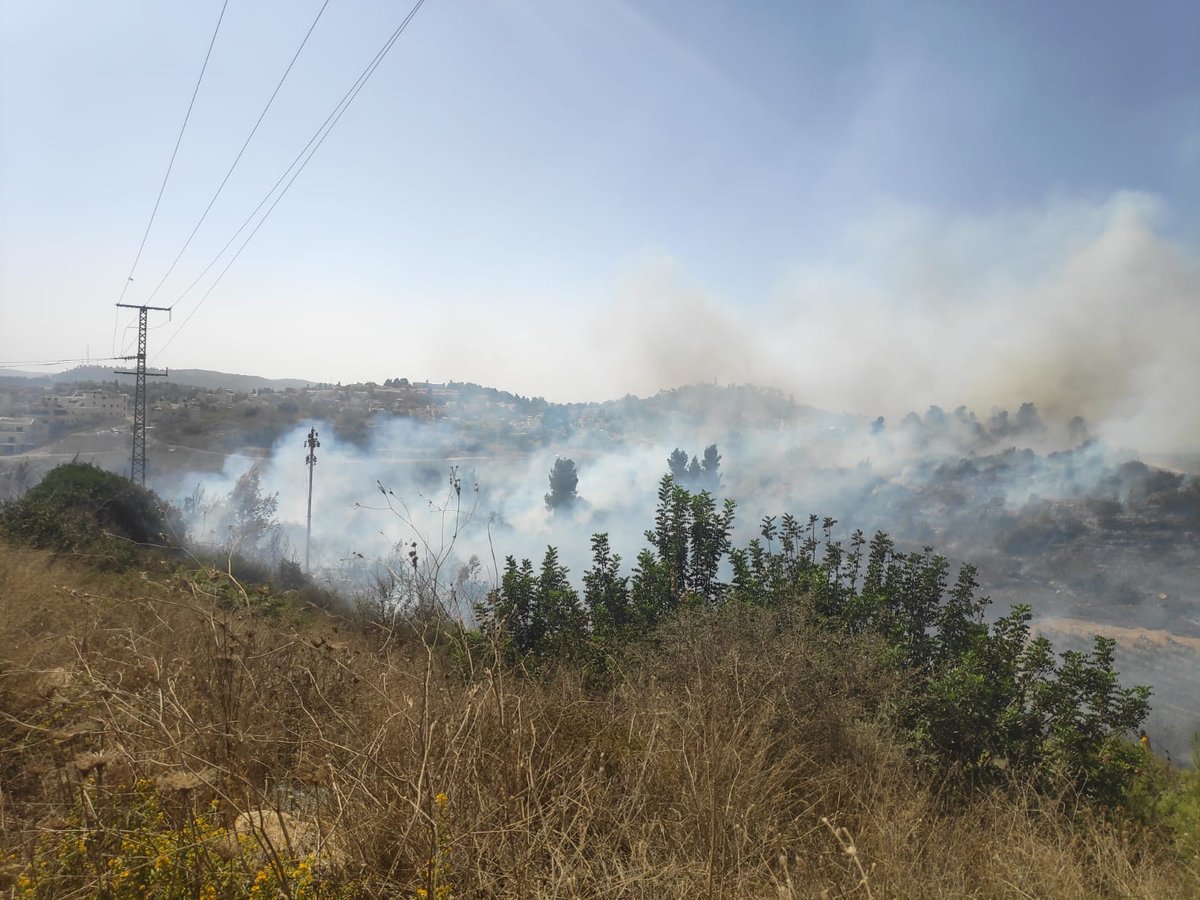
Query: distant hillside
201	378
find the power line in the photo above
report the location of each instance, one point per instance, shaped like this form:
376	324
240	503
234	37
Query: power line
133	326
171	164
318	138
237	159
302	159
56	362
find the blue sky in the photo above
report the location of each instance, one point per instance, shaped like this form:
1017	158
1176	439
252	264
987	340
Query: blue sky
579	199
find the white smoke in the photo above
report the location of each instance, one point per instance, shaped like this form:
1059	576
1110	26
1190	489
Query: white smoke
1085	308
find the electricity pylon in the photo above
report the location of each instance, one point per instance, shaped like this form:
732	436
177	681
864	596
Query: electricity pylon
137	469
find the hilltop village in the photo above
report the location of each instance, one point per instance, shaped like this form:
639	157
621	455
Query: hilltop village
224	415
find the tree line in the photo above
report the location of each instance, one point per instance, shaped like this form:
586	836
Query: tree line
699	474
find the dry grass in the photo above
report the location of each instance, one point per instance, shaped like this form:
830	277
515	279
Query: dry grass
742	759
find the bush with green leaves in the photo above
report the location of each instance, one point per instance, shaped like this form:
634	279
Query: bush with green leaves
537	616
989	701
81	508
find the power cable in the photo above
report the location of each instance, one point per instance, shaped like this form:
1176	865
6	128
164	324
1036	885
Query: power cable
170	165
317	138
56	362
130	342
237	159
302	159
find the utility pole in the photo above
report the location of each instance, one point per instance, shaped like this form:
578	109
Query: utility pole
312	444
137	471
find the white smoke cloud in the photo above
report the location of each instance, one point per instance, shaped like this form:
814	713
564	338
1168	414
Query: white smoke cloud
1085	309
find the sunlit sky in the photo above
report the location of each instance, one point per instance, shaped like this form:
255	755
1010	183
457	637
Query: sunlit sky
869	204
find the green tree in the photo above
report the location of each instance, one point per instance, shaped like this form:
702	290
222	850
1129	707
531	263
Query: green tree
696	473
670	535
710	466
652	595
606	593
250	514
564	483
510	614
537	616
708	536
1087	719
563	626
691	537
677	465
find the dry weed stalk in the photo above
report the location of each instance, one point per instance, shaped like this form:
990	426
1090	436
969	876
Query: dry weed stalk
846	842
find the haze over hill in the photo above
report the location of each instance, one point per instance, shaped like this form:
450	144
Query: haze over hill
783	335
202	378
1078	527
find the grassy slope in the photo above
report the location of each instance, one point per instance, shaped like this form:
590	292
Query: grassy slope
146	709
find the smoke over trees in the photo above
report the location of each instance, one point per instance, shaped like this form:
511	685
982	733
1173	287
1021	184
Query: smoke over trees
698	474
564	483
1069	527
250	513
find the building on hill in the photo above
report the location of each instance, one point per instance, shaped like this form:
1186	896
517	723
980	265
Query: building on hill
19	435
81	408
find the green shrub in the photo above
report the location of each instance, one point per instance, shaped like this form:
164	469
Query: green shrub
81	508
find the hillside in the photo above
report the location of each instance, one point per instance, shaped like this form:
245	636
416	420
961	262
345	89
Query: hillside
201	378
173	730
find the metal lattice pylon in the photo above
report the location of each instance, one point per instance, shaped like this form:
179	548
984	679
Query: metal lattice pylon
137	468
